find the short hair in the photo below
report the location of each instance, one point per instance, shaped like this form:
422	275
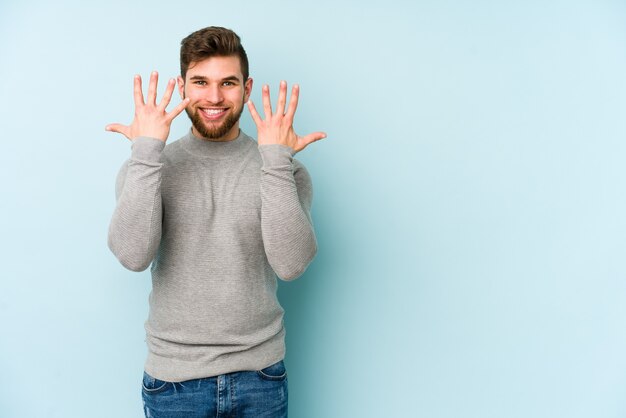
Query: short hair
213	41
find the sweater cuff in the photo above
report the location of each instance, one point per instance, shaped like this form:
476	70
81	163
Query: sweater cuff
276	155
147	149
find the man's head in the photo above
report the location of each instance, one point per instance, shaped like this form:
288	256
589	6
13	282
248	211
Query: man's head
214	75
213	41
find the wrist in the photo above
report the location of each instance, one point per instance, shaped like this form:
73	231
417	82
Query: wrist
276	154
147	148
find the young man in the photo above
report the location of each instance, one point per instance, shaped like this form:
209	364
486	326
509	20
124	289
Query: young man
218	216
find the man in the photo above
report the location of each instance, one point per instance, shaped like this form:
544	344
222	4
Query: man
218	216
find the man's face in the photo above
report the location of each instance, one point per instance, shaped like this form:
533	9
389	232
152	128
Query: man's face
217	92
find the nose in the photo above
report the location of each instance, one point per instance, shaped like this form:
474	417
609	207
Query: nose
214	94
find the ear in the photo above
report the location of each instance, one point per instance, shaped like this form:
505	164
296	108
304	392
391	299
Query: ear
247	89
181	87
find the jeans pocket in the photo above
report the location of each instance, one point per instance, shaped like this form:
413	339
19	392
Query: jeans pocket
275	372
152	385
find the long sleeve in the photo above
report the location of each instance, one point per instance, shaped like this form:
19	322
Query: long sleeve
286	195
135	229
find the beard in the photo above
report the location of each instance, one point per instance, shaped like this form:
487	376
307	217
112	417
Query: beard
213	132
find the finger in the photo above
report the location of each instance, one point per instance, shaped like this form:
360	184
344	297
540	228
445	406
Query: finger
282	98
310	138
255	115
267	105
176	111
167	96
137	91
121	129
293	102
152	88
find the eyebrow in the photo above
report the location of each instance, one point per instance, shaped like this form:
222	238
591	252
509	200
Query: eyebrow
203	78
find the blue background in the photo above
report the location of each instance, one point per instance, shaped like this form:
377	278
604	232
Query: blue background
469	203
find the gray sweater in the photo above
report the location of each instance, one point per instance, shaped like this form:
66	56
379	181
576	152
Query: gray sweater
217	221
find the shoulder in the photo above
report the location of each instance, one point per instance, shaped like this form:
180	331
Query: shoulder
174	154
299	170
173	147
298	164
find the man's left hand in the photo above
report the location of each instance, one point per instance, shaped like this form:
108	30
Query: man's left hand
277	128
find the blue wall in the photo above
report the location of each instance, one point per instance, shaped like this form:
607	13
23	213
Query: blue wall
469	203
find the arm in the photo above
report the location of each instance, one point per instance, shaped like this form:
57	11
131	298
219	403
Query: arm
286	193
286	188
135	229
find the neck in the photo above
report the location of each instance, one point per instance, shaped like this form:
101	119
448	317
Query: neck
232	134
202	147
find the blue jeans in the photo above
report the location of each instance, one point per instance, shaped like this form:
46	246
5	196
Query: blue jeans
258	394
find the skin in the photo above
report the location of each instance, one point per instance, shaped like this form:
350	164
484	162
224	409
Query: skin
277	128
215	83
150	119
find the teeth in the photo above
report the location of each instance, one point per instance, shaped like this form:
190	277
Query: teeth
213	111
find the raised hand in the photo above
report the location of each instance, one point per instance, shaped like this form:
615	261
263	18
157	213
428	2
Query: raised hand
277	128
150	120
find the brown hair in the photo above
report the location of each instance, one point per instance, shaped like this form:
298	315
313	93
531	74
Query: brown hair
213	41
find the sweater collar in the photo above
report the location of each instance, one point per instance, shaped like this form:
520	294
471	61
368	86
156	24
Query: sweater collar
215	149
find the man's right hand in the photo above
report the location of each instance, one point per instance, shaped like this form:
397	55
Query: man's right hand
150	120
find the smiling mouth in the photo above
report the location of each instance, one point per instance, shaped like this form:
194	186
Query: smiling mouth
213	114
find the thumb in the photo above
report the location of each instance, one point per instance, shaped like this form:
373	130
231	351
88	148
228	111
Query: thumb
116	127
303	141
315	136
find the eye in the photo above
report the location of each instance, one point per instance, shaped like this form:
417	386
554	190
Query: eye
200	83
228	83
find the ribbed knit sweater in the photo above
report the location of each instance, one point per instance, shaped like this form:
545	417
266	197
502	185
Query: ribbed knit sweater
217	221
